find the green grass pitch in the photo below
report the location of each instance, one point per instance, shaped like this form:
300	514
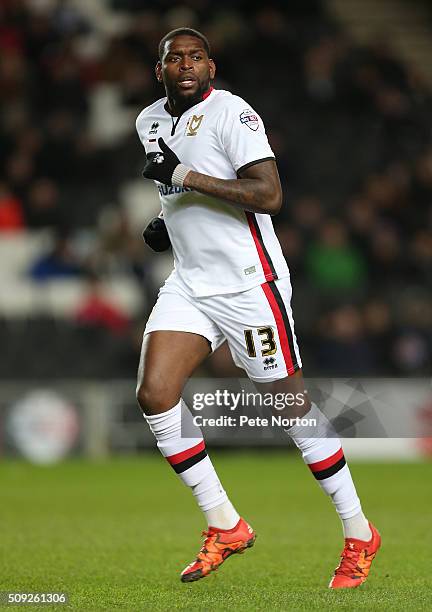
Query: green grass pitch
116	534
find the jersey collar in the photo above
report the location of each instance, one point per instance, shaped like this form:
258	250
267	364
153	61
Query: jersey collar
208	92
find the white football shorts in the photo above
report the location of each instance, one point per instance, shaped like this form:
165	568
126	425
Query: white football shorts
257	324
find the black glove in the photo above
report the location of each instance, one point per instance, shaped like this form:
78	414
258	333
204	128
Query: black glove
160	166
156	235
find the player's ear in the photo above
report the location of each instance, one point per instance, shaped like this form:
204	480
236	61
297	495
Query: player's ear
212	69
158	72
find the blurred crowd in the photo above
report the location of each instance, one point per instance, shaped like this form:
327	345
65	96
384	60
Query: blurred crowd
350	126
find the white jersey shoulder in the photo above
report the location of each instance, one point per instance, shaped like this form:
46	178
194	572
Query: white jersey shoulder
159	104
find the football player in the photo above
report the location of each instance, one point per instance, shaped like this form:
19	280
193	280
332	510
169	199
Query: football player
208	153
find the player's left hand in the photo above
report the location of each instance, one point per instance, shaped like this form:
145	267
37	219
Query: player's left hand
156	235
161	166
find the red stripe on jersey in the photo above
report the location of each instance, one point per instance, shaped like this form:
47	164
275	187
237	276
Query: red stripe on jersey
207	93
326	463
186	454
283	337
268	274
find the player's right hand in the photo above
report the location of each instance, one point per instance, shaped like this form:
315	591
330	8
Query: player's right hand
156	235
165	167
161	166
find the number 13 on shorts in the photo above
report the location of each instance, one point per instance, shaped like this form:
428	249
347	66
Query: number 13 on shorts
269	351
267	342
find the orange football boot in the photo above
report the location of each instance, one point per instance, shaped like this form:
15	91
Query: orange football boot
356	560
219	544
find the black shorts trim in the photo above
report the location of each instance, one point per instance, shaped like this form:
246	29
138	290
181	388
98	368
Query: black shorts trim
281	304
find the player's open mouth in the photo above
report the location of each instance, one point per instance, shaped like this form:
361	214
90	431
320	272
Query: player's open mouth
186	83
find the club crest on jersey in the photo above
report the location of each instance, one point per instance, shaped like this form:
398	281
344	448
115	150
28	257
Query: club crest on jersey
193	125
249	118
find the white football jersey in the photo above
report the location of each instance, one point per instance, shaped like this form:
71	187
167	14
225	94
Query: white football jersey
217	247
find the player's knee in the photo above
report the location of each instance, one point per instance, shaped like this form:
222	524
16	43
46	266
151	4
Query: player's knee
156	396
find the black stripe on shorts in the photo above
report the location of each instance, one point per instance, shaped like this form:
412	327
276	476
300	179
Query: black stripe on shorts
286	321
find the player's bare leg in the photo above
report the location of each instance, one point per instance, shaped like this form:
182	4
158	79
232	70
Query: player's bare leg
168	359
322	452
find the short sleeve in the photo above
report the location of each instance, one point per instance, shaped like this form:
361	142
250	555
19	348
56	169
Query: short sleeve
139	127
242	134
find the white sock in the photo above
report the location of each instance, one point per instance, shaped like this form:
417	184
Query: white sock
224	516
322	451
188	457
357	527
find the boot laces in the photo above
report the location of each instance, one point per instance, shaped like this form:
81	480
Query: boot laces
349	559
210	537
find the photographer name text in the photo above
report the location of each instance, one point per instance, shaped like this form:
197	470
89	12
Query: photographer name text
246	421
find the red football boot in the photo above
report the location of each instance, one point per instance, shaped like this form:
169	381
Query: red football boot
356	560
219	544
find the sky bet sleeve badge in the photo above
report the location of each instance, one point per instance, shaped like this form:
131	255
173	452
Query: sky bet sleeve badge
249	118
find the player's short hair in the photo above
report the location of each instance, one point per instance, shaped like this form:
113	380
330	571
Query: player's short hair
183	32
